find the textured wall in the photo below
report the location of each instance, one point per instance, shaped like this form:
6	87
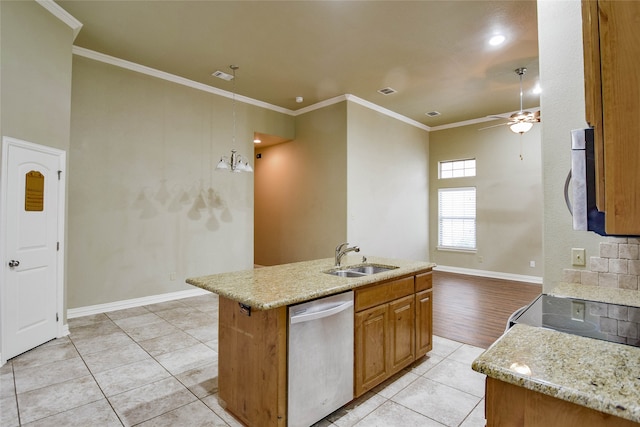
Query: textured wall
563	109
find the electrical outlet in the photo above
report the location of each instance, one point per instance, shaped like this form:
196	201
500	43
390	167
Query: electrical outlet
532	264
577	310
578	257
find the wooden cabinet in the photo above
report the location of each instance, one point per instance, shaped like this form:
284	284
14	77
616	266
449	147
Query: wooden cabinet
402	333
612	93
510	405
252	364
392	328
371	348
424	314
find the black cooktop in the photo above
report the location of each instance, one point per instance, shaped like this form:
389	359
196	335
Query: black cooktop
609	322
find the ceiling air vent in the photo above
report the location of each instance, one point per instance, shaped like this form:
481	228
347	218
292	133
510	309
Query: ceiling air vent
387	91
222	75
433	113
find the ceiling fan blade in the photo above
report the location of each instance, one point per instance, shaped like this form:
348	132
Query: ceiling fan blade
495	126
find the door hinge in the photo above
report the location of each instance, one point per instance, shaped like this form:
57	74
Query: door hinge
57	246
57	318
59	174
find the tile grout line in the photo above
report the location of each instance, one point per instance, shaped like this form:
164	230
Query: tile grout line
171	375
195	309
96	381
15	393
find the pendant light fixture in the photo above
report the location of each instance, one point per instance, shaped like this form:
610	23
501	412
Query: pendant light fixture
236	162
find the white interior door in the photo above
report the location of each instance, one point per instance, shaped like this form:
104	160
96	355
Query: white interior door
32	208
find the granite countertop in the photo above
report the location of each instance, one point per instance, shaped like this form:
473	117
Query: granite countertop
280	285
600	375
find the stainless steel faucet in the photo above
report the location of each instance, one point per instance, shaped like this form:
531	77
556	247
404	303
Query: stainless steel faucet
342	249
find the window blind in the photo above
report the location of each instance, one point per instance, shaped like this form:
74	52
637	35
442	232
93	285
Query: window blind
457	218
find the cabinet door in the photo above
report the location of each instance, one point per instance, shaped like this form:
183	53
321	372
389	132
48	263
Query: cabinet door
620	59
424	322
593	89
612	95
372	348
402	332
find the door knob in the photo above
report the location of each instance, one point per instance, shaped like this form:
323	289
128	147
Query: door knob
14	263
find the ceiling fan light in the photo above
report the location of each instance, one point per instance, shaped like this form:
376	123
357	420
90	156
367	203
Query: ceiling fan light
521	127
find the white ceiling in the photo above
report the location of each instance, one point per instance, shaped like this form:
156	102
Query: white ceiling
434	53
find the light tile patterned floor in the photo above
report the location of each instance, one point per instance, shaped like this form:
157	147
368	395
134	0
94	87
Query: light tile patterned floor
157	366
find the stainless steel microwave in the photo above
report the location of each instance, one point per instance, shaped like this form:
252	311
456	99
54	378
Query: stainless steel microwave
582	177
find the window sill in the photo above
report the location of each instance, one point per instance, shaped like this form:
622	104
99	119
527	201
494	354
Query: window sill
461	250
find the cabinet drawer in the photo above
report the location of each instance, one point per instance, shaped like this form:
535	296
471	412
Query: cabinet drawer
424	281
383	293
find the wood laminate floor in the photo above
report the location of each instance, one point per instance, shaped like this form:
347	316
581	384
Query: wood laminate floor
474	310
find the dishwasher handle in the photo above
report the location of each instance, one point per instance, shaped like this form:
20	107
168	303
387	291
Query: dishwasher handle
306	317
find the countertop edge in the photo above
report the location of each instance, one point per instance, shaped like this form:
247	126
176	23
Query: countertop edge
600	402
281	281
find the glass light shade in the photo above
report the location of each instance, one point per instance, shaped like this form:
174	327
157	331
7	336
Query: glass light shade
222	164
521	127
247	167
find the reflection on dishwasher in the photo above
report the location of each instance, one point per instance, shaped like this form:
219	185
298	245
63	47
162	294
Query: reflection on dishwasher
320	358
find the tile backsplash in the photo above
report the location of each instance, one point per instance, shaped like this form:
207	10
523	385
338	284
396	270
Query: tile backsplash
616	266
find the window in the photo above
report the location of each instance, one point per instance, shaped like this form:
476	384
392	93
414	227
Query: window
457	218
457	168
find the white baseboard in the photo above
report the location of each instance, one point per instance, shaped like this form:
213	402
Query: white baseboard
63	330
491	274
130	303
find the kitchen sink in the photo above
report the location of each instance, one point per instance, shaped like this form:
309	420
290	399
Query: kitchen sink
360	270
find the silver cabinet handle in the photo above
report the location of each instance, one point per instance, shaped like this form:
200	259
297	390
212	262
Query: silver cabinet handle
14	263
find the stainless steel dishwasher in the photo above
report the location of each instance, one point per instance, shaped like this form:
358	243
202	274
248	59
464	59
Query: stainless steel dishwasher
320	363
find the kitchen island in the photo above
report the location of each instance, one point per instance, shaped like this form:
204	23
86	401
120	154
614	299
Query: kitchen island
541	377
392	327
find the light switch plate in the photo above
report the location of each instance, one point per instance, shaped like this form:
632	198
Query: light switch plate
578	257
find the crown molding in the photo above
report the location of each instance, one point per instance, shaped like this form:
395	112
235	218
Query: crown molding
132	66
386	112
62	15
321	104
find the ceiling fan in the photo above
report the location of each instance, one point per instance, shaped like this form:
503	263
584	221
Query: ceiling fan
521	121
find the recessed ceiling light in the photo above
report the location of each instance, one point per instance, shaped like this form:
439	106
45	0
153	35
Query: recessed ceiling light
497	40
